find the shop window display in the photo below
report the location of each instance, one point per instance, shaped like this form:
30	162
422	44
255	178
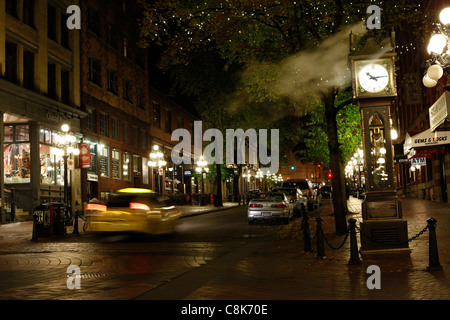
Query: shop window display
16	150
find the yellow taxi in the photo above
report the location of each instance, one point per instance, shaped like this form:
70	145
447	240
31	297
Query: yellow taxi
132	210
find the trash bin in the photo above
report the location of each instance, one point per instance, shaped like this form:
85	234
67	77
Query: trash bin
50	219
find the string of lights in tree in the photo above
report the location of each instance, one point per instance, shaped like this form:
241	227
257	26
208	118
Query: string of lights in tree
439	49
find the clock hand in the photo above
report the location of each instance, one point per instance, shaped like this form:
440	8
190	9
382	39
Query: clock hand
381	76
371	77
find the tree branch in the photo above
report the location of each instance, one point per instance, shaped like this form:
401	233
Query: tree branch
343	104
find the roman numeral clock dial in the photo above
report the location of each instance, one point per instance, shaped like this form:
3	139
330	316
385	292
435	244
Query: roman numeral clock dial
373	77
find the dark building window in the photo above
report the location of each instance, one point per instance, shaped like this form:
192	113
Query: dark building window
135	136
126	133
65	87
125	46
11	62
115	128
93	21
11	7
104	124
127	90
140	99
51	80
111	36
94	71
180	123
64	32
51	22
91	120
28	12
168	121
28	69
112	81
156	114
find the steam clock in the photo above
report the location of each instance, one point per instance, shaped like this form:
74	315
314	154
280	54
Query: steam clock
374	88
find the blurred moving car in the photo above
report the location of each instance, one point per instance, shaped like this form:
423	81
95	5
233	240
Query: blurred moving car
276	206
298	200
307	189
133	210
326	191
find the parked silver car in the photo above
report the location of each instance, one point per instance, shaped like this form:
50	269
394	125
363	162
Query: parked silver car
276	206
297	198
307	189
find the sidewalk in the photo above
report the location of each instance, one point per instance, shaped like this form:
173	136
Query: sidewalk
285	272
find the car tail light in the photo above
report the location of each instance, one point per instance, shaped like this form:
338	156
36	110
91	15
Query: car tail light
139	206
95	207
255	205
278	206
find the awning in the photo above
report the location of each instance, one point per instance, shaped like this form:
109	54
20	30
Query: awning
426	152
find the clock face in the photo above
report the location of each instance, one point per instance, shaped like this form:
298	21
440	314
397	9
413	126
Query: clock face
373	77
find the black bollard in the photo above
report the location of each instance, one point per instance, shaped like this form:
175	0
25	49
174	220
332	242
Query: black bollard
433	264
306	233
75	227
320	245
34	237
354	256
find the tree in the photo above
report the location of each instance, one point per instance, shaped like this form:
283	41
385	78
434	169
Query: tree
282	51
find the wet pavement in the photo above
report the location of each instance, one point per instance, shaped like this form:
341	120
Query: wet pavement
253	268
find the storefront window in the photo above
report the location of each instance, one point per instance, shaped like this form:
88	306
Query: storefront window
115	164
103	155
126	166
16	161
22	133
9	134
45	135
52	165
93	169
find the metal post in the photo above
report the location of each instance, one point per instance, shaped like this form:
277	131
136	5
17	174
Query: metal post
320	245
354	256
34	237
13	205
75	227
306	233
66	187
433	264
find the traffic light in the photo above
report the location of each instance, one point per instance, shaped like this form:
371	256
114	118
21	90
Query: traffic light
292	168
330	175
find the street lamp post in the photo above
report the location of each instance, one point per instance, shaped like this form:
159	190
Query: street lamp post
157	160
202	168
66	141
439	49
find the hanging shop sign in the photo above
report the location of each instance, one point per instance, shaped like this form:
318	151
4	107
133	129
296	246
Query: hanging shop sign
439	111
85	155
425	139
419	161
